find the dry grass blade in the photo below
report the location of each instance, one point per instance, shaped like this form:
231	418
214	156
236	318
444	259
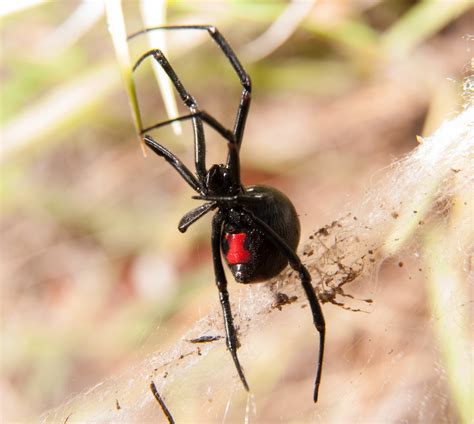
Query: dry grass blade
154	15
56	110
10	7
279	31
74	27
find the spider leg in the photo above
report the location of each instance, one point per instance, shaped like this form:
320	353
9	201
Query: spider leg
305	278
208	119
188	100
221	281
229	53
192	216
174	162
233	151
162	403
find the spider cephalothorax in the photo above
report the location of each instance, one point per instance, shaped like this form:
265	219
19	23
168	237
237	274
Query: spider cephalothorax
256	228
219	182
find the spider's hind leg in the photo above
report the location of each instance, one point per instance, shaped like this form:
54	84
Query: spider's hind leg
305	277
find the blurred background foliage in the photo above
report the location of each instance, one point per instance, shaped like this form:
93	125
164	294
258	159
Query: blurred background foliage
94	272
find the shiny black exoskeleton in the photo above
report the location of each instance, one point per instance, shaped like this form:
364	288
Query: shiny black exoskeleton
251	256
256	228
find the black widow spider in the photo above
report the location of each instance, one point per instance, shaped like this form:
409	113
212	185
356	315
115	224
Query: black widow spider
256	227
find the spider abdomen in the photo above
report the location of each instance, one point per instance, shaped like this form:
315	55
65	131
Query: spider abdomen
249	254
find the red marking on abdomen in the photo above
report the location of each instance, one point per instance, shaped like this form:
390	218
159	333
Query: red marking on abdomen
238	253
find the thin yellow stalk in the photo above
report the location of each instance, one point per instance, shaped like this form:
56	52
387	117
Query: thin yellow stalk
116	24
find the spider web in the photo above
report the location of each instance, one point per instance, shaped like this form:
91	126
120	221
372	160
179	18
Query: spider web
418	211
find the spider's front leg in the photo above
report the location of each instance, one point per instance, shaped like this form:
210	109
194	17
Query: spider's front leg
229	53
175	162
221	281
189	101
